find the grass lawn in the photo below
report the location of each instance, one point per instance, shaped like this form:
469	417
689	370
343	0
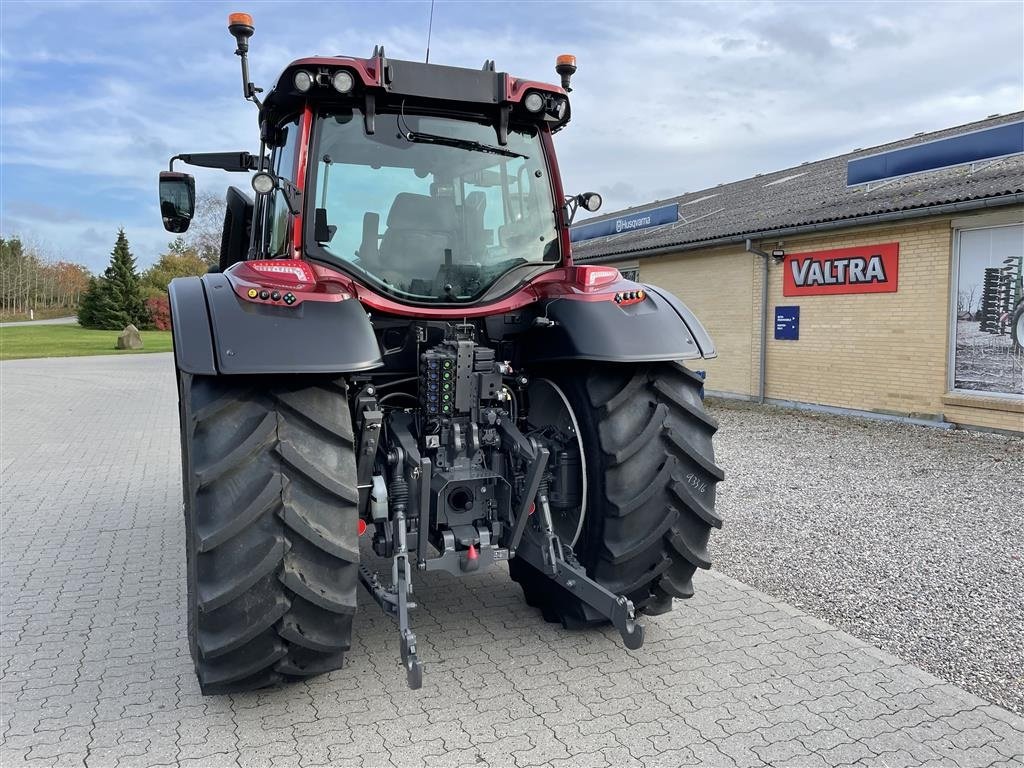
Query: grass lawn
71	341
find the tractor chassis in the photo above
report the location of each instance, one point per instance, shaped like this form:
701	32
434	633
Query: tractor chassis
545	551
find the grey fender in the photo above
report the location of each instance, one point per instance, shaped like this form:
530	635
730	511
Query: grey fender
216	332
659	328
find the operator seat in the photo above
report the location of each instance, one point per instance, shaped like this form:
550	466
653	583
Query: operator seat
419	229
473	211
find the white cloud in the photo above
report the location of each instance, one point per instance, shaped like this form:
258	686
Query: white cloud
669	97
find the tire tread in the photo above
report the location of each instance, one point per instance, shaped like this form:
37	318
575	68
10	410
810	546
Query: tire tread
270	515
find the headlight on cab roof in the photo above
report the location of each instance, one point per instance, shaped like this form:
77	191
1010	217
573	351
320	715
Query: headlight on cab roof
343	81
533	102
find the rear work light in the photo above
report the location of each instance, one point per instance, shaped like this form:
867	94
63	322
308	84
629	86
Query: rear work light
303	81
534	102
343	81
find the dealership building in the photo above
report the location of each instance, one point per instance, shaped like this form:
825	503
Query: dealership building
887	280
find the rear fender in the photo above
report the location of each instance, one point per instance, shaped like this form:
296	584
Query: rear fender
217	332
659	328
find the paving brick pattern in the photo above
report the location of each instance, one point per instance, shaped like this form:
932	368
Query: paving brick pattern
95	666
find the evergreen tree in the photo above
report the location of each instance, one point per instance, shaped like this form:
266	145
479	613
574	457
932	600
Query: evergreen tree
115	300
88	305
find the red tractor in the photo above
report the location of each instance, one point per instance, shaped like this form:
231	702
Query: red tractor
397	343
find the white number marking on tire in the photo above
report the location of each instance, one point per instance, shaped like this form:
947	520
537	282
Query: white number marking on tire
699	485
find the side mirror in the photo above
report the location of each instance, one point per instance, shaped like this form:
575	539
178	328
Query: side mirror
177	200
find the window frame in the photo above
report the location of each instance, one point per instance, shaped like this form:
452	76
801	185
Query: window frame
952	319
312	250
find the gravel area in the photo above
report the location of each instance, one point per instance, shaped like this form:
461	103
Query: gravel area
907	537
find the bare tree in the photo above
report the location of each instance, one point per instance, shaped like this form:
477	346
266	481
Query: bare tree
965	298
30	279
204	235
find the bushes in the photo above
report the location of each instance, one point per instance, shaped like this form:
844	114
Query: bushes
121	296
159	309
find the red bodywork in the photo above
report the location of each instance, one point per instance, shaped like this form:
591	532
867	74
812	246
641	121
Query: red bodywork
368	71
586	283
566	281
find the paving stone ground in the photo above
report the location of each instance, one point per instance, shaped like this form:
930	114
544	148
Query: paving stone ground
95	667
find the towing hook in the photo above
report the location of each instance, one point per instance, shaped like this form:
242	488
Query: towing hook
624	620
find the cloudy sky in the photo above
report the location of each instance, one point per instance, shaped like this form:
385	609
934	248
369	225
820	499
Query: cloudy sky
669	97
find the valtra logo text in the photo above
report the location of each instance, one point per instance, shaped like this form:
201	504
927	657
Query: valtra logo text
862	269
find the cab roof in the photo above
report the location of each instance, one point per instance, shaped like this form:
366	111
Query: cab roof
395	81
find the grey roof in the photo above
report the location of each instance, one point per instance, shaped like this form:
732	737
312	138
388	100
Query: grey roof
811	194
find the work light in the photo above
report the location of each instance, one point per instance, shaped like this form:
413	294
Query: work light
303	81
263	183
534	102
342	81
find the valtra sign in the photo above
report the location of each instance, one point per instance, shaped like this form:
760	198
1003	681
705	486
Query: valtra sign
862	269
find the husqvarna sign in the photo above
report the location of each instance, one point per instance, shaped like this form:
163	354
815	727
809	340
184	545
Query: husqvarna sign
652	217
862	269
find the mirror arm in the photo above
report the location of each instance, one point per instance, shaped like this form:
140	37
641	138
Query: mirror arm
233	162
571	204
292	196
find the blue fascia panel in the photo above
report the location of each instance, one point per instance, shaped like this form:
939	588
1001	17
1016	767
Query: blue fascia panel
630	222
987	144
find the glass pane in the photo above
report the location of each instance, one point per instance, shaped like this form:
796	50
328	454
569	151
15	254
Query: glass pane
990	311
431	208
279	218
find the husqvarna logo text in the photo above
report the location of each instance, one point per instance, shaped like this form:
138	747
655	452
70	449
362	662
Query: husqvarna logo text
621	224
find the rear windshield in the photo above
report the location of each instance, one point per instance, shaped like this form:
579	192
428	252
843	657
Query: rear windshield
432	209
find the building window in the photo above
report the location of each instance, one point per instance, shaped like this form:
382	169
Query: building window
631	274
987	354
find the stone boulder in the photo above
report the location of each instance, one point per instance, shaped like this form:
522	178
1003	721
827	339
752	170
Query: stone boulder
129	338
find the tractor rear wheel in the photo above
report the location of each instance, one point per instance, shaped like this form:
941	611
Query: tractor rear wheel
647	487
269	479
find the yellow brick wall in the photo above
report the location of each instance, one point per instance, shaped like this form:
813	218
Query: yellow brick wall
875	351
719	286
882	352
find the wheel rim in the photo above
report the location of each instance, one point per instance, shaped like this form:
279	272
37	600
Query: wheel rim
1019	330
549	408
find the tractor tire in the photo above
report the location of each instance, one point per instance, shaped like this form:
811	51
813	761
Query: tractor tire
650	488
1017	328
271	517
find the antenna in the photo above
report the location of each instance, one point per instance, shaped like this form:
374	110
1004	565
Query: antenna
430	28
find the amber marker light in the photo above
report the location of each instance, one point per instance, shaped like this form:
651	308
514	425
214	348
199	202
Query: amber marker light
565	67
240	18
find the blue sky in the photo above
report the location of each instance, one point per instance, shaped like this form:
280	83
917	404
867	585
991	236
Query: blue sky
95	97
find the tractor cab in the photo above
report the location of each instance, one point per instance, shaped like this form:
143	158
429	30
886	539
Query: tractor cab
425	184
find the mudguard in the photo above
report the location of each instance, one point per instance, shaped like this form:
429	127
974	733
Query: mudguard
659	328
216	332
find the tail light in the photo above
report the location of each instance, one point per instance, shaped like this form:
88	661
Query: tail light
283	273
590	277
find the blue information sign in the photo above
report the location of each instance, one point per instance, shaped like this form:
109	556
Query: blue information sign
787	323
652	217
